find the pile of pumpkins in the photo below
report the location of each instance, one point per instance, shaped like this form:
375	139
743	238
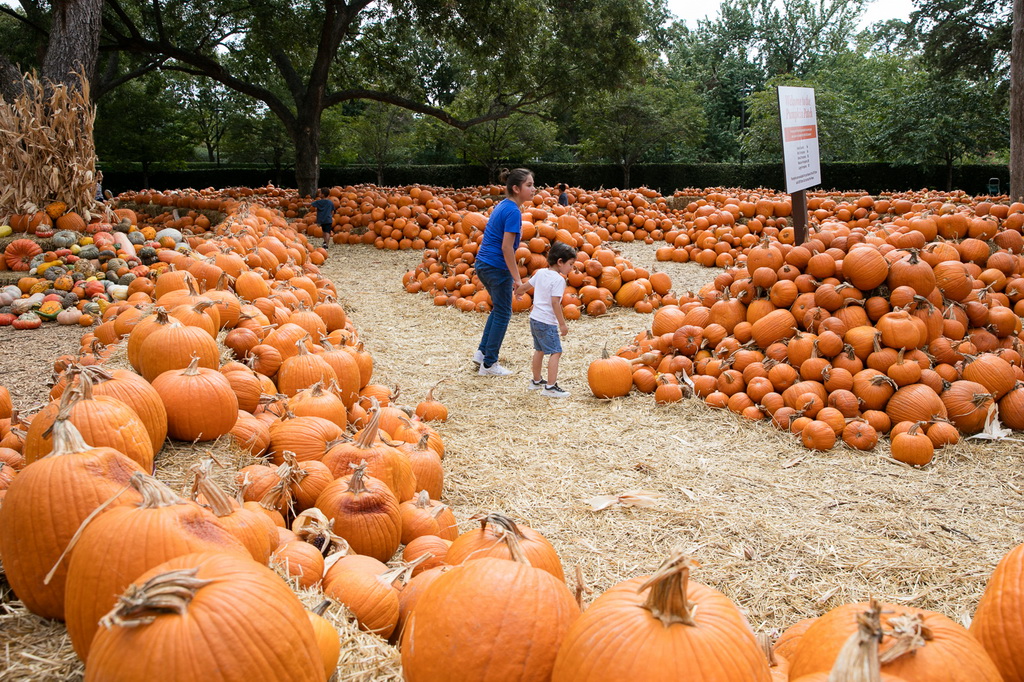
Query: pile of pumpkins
910	328
82	518
86	270
600	277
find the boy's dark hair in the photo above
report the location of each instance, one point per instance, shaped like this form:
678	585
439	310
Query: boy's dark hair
324	192
561	187
560	251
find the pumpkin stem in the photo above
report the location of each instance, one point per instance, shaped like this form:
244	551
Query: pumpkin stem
858	660
581	587
356	486
321	608
430	392
67	439
155	494
764	640
666	598
505	530
169	592
909	633
216	498
193	367
368	435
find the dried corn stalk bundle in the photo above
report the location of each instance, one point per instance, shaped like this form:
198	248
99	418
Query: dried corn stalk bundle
47	151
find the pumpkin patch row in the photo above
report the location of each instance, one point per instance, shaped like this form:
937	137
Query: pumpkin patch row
911	329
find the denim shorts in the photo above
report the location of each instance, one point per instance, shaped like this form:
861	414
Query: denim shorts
545	337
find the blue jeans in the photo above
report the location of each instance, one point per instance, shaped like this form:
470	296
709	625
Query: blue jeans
545	337
498	282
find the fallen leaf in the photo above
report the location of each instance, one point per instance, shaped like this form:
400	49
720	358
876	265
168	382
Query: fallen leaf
630	498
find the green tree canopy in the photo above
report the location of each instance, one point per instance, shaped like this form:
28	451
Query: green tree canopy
626	125
140	122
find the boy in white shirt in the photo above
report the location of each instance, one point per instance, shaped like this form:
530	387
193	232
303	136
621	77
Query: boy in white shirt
546	318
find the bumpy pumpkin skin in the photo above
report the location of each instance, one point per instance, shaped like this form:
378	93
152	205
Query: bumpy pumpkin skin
952	655
459	631
997	622
246	625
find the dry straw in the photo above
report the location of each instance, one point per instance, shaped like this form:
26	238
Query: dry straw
47	151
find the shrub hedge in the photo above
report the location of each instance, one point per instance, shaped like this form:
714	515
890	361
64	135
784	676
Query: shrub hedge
666	178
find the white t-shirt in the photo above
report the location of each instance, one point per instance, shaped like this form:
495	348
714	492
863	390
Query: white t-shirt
546	283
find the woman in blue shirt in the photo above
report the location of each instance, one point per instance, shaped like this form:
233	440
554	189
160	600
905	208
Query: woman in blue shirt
496	266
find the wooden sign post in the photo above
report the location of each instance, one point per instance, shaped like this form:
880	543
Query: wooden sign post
798	120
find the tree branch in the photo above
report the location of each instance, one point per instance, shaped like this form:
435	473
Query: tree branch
125	19
24	19
203	66
291	77
105	86
496	111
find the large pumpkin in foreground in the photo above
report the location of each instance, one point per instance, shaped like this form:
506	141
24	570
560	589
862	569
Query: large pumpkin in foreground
44	507
936	648
489	619
997	622
206	616
661	628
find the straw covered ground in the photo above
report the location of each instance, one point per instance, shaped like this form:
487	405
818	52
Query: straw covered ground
785	532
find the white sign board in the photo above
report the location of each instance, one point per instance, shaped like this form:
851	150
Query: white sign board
799	121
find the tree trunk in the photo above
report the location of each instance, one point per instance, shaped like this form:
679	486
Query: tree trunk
949	174
307	153
74	41
11	82
209	152
625	175
380	176
1017	104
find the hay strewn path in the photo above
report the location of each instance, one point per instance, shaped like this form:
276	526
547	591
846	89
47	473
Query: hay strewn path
785	532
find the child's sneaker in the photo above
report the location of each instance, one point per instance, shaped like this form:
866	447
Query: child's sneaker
535	385
494	370
555	391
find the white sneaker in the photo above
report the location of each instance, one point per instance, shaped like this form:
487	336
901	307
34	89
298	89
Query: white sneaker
555	391
494	370
535	385
478	358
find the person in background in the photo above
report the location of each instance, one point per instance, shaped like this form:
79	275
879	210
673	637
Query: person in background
496	266
325	214
563	195
547	321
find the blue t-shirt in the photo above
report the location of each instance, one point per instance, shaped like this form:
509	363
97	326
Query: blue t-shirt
324	211
505	217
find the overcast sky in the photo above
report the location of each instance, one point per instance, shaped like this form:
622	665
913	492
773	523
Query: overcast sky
877	10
